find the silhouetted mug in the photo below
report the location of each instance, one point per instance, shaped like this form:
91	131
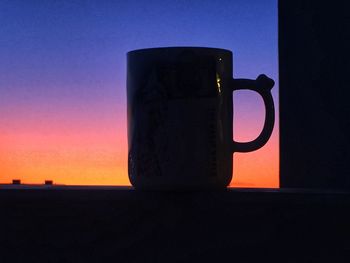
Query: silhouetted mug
180	116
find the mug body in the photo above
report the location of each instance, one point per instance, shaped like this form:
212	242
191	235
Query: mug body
179	106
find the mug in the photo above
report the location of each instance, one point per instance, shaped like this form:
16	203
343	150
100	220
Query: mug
180	117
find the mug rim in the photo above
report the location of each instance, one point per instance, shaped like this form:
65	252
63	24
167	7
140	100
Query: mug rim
179	47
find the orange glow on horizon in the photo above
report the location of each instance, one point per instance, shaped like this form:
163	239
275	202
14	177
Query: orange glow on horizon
91	150
100	158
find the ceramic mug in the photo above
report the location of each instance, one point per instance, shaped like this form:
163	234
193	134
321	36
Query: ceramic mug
180	112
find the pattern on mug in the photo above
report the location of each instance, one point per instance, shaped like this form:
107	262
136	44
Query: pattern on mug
175	116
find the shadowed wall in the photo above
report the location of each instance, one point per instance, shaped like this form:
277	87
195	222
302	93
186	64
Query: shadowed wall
314	67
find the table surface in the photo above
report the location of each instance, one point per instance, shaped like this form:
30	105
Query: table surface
89	224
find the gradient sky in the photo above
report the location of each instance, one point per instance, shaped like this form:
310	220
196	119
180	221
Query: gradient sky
63	81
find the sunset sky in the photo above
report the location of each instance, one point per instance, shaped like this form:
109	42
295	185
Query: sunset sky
63	81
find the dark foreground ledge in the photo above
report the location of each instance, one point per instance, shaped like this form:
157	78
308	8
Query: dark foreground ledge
119	224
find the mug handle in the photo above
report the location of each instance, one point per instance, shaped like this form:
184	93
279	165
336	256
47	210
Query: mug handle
263	86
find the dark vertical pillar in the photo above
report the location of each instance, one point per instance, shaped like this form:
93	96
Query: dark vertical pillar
314	68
